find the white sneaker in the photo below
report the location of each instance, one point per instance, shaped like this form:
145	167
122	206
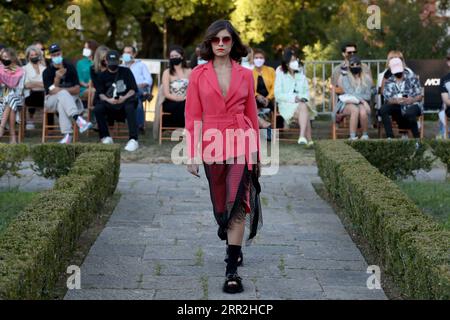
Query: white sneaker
364	137
66	140
83	124
405	137
353	139
30	126
302	140
132	145
107	140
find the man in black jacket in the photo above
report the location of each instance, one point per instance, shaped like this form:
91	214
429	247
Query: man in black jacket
117	100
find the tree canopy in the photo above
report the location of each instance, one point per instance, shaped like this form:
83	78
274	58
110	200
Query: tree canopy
153	25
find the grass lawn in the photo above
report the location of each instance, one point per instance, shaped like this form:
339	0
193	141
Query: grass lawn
433	197
11	203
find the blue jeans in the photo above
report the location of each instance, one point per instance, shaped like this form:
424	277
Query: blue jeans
140	116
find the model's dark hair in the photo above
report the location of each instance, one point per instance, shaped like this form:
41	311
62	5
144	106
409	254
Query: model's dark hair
287	56
180	50
260	51
348	44
237	51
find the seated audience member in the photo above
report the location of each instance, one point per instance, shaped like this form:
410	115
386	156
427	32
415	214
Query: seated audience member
247	62
292	95
356	88
348	49
386	74
34	85
62	90
99	65
11	91
175	80
264	77
143	79
402	95
445	94
117	91
84	66
195	57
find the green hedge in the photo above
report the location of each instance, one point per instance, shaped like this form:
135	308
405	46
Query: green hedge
409	245
11	157
36	245
441	149
53	160
397	159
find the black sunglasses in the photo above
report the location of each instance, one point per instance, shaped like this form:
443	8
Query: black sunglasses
352	52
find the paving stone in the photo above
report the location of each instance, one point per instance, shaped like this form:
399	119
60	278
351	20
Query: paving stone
161	243
110	294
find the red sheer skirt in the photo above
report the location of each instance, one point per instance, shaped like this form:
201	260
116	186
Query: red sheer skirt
234	194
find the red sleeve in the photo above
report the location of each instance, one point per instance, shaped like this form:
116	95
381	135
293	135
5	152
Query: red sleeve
251	111
193	117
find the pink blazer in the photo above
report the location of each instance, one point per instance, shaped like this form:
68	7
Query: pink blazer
208	109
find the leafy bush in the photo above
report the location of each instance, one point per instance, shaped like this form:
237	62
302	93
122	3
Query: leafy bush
35	246
397	159
409	245
441	149
11	157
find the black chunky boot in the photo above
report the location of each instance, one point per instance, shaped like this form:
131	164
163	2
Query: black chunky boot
233	283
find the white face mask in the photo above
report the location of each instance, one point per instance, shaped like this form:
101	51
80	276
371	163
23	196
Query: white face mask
87	52
201	61
259	62
294	65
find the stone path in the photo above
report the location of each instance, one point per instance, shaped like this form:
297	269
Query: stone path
161	243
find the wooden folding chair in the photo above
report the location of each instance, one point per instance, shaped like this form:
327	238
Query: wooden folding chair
162	128
341	129
119	130
54	131
403	131
20	128
285	134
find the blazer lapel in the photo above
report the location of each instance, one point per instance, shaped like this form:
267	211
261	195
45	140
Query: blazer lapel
236	77
212	78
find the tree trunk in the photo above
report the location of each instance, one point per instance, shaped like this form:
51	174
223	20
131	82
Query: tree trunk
112	19
152	39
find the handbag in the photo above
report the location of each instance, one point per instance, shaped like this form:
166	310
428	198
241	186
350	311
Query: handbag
348	98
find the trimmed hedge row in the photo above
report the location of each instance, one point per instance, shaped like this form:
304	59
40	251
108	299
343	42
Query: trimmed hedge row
441	149
396	159
35	246
11	156
53	160
409	245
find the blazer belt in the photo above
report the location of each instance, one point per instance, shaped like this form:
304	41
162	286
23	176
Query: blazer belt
238	118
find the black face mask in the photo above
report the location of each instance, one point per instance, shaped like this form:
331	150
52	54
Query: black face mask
176	61
398	75
113	68
35	60
6	62
355	70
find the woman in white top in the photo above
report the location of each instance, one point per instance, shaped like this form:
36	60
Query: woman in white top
34	86
175	81
292	95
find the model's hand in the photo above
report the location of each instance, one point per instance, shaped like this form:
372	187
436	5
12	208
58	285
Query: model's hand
193	169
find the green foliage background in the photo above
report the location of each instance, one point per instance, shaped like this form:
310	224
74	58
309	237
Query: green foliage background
152	25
